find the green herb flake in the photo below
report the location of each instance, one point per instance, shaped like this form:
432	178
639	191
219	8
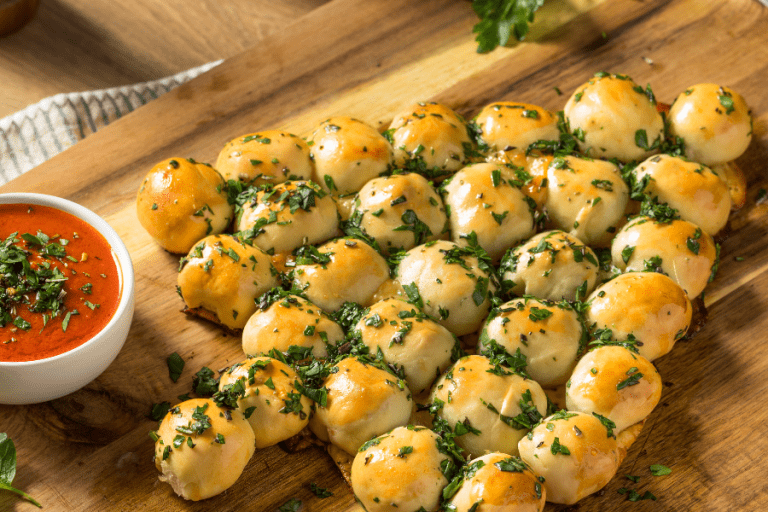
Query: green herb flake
660	470
175	366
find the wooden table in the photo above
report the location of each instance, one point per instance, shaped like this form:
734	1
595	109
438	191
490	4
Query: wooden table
80	45
89	451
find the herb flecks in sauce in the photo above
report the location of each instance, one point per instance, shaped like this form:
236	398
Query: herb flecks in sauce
49	303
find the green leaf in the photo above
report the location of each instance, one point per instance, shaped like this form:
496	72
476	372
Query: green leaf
175	366
660	470
8	468
502	19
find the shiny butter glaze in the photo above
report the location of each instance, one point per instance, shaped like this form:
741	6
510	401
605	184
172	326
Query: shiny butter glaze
586	198
491	207
446	286
592	462
547	266
550	344
213	280
181	201
668	241
593	387
711	133
270	156
433	133
287	231
609	110
354	274
699	195
423	351
208	468
647	305
467	390
287	322
347	153
383	196
507	124
494	490
385	479
268	391
363	402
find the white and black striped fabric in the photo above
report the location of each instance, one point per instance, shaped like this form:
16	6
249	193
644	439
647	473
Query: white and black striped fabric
40	131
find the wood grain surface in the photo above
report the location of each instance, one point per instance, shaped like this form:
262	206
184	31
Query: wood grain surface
89	451
80	45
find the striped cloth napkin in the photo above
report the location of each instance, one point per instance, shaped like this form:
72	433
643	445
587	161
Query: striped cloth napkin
40	131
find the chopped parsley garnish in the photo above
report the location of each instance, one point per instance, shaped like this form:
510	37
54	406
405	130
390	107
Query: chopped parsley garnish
501	20
175	366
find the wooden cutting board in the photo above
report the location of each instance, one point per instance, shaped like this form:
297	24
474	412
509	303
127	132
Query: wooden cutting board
89	451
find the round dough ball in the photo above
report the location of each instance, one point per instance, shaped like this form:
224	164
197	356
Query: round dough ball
509	125
677	248
714	121
341	271
573	452
431	139
201	450
501	405
290	215
529	170
612	117
223	276
264	391
407	338
615	383
550	336
400	471
271	156
649	306
450	283
497	482
698	194
586	198
363	402
347	153
181	201
552	265
400	211
290	321
483	198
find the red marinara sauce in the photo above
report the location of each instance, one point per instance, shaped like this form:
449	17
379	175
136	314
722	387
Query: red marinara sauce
66	290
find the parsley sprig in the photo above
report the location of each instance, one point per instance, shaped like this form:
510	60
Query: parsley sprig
502	19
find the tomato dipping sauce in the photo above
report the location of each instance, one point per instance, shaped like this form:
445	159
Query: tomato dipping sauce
59	282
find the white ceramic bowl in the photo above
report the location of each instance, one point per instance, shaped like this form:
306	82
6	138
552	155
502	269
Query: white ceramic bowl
53	377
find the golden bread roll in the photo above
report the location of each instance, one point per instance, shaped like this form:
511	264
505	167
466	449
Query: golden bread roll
347	153
400	470
290	321
225	276
483	199
363	402
613	117
408	338
264	391
615	383
201	449
450	283
181	201
573	452
497	482
648	306
290	215
499	405
714	121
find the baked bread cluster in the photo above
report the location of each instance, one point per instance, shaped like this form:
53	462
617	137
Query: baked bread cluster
466	313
